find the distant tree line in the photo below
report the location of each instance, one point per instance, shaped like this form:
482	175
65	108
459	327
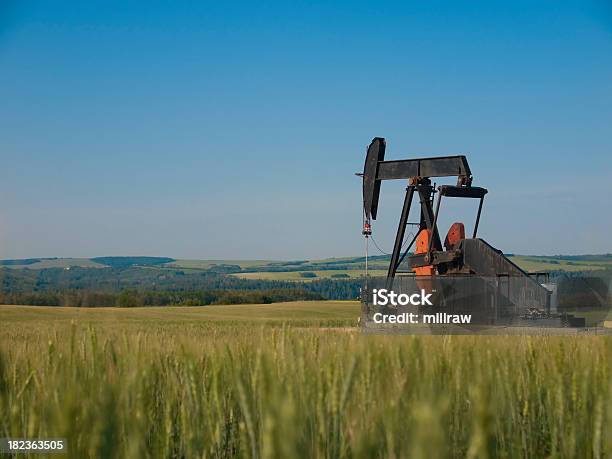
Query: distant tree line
140	286
124	262
135	298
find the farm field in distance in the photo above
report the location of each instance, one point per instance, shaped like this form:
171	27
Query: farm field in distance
569	264
298	270
302	275
294	380
302	313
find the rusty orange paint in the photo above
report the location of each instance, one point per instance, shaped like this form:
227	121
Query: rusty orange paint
455	234
422	244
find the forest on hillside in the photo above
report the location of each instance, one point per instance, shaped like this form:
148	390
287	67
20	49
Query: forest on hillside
146	286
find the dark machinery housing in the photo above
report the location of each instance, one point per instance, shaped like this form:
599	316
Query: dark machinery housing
457	255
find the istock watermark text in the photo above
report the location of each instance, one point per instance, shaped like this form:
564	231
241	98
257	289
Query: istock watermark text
384	297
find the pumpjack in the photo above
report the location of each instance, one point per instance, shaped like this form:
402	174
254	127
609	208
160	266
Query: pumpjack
458	255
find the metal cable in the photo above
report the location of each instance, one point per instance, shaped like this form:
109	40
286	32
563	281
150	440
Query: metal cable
385	253
379	249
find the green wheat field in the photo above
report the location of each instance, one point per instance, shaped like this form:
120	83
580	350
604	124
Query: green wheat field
294	380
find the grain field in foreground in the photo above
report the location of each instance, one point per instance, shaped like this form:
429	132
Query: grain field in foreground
277	381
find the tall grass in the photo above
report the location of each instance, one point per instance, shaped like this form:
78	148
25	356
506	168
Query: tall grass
230	390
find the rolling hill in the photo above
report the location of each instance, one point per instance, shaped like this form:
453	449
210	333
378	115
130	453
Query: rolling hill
296	270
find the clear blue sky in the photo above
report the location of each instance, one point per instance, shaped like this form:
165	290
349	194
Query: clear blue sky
233	129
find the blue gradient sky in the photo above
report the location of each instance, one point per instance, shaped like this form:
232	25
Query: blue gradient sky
232	130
